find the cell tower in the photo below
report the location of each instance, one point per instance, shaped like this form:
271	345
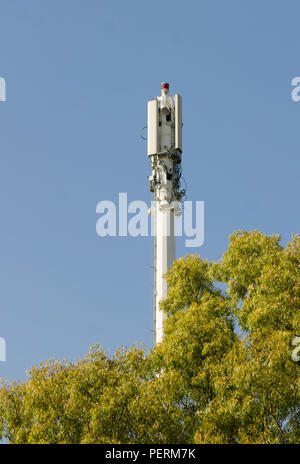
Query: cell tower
164	150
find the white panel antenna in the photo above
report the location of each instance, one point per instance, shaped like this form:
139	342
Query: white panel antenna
178	122
153	147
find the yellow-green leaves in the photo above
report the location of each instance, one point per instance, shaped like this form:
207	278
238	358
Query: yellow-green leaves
224	372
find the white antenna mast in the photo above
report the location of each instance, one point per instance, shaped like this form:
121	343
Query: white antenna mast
164	150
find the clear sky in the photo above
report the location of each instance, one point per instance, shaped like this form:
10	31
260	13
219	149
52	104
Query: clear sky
79	74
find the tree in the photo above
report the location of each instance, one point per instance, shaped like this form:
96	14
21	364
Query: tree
223	373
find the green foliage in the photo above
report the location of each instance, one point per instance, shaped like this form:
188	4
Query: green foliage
223	373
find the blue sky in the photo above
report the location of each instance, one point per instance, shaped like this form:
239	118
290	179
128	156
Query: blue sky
79	74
